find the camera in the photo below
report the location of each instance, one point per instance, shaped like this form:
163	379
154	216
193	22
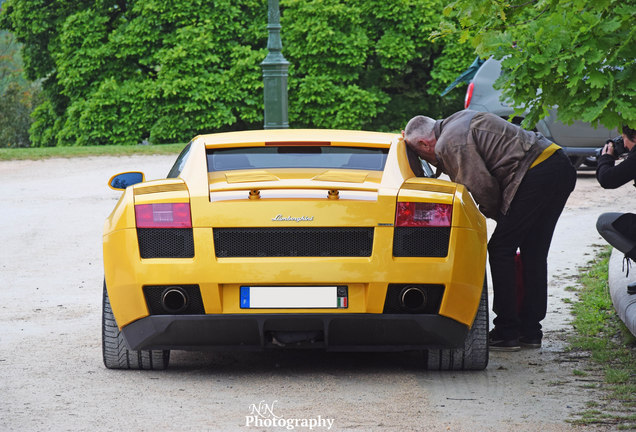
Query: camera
619	146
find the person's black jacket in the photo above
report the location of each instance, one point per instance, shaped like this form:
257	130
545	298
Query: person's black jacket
611	176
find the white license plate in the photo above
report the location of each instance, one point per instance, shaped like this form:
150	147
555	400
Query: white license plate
294	297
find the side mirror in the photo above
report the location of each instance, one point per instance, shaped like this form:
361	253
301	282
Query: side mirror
123	180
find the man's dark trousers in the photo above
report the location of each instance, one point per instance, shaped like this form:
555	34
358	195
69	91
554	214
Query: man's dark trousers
528	226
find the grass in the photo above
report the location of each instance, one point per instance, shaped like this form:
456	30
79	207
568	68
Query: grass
612	348
38	153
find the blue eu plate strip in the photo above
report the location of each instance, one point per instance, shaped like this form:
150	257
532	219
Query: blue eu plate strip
245	297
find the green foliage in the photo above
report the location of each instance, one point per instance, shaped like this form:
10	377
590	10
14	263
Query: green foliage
367	64
45	126
15	107
10	62
120	72
17	95
579	54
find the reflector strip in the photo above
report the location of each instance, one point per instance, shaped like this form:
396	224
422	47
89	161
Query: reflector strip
469	94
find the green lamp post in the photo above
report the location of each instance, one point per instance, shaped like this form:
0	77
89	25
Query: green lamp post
275	72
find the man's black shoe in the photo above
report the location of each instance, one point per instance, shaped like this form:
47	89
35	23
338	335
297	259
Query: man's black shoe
530	342
498	344
631	288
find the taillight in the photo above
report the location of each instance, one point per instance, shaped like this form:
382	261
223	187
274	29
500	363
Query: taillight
419	214
165	215
469	94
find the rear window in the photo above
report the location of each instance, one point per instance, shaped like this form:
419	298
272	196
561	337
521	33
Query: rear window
296	157
180	162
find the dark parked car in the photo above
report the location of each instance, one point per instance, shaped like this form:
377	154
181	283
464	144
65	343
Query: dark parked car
579	140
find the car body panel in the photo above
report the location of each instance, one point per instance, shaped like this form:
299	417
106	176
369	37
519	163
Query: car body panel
239	198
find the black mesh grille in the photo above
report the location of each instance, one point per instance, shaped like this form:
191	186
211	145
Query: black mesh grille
421	242
288	242
194	304
165	242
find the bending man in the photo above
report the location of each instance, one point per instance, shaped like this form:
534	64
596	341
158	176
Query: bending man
521	180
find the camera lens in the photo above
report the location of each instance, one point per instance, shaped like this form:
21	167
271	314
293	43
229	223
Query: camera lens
619	146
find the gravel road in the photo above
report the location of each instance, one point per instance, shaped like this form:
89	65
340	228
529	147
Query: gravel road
52	377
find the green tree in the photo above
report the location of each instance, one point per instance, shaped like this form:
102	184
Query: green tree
119	72
574	54
15	108
10	61
367	64
16	95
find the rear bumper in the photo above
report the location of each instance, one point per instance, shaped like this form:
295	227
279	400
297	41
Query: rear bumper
368	278
331	332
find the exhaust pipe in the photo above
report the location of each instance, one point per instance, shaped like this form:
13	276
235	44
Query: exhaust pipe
413	299
174	300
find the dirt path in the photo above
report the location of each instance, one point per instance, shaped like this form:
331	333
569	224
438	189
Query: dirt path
52	377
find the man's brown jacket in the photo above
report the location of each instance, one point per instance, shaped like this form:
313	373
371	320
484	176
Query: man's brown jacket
488	155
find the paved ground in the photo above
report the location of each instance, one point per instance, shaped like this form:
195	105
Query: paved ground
52	377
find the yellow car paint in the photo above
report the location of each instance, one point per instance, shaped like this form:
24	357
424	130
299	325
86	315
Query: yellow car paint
461	272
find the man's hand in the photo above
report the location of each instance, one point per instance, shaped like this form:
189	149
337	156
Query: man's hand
608	149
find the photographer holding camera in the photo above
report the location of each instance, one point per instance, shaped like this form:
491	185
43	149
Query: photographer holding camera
619	229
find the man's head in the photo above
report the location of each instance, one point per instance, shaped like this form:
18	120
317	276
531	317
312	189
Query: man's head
419	135
629	137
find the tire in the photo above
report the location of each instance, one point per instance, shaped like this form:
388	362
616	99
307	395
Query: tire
474	354
115	351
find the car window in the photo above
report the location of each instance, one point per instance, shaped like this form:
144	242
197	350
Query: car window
296	157
180	162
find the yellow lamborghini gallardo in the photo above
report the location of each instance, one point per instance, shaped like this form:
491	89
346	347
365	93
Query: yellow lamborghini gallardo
296	239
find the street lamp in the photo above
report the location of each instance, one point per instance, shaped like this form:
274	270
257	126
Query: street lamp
275	72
